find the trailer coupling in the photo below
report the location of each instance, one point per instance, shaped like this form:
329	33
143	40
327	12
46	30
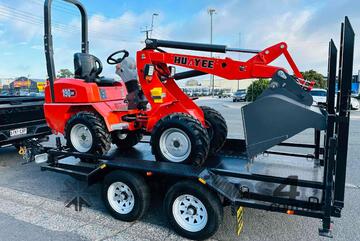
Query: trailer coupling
280	112
29	149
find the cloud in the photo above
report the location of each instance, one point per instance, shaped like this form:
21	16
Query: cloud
306	26
37	47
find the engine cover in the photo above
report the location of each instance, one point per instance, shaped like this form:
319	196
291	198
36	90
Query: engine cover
78	91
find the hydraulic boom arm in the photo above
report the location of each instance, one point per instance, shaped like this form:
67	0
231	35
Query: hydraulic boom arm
256	67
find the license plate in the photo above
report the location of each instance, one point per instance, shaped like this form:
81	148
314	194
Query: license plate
18	132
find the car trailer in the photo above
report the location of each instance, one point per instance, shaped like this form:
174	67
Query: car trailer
310	185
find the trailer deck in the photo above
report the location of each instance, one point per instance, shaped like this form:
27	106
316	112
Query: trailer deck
292	180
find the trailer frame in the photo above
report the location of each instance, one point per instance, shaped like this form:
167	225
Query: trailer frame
329	157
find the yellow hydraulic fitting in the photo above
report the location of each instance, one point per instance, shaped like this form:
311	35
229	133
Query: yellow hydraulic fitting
22	150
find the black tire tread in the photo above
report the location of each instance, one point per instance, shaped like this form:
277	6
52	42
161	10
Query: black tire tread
102	136
221	131
139	183
131	140
202	139
191	187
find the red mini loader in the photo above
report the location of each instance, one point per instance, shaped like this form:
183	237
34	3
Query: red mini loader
92	111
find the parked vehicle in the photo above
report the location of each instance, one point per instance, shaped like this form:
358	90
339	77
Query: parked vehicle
320	96
22	122
224	93
239	95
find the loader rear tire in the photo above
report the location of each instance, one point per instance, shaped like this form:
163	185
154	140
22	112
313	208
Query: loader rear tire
86	132
180	138
128	140
217	129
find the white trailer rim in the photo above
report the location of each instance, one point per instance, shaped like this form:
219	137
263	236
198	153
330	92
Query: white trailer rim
190	213
121	198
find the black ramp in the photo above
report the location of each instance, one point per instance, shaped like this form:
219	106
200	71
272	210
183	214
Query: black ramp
345	78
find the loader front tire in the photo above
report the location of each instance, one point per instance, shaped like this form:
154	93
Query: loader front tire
86	132
180	138
217	129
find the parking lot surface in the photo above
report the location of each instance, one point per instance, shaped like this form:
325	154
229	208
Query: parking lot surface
32	203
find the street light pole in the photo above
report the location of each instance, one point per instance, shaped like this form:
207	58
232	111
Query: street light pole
238	82
211	11
152	22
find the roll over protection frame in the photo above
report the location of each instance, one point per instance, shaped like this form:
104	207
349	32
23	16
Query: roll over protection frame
48	41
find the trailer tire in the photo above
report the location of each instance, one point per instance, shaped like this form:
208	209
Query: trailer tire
217	135
180	138
203	207
134	198
131	139
95	129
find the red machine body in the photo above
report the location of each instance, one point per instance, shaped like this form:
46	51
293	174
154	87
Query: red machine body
75	95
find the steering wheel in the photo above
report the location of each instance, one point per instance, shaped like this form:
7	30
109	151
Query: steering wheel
99	67
112	60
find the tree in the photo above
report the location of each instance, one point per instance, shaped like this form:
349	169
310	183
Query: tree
312	75
65	73
192	82
256	88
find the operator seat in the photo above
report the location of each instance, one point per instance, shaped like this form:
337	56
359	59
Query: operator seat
128	73
88	68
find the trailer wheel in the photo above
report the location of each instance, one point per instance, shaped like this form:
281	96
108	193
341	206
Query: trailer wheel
217	129
126	140
193	210
126	195
180	138
86	132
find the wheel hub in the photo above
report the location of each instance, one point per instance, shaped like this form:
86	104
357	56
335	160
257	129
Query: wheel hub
191	210
123	196
175	145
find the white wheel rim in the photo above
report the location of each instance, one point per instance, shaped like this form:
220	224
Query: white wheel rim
122	136
190	213
81	138
121	198
175	145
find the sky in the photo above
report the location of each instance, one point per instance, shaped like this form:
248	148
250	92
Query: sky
306	26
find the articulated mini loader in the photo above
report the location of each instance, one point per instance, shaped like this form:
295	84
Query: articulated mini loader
93	112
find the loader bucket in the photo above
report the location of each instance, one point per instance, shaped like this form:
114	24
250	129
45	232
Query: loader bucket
280	112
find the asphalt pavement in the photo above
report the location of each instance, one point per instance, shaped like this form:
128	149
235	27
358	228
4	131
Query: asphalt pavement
32	203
